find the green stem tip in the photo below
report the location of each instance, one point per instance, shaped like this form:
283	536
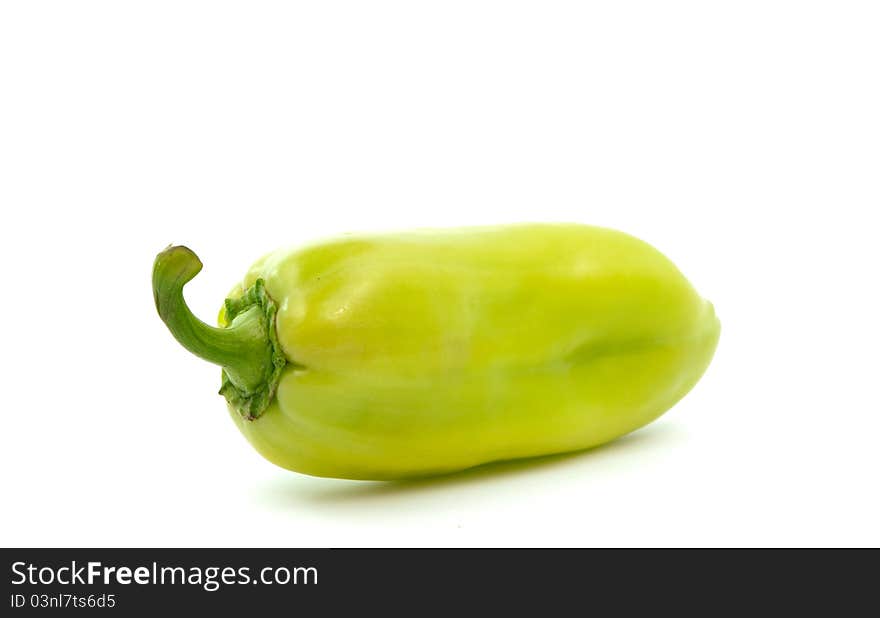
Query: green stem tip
247	348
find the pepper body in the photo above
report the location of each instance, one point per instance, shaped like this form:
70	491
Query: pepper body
427	352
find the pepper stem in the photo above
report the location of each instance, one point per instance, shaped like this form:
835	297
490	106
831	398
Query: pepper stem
243	349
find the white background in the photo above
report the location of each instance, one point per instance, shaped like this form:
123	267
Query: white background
741	138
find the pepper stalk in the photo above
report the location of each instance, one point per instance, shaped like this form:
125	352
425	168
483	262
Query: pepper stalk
247	350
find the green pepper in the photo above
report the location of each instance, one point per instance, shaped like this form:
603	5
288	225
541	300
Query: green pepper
410	354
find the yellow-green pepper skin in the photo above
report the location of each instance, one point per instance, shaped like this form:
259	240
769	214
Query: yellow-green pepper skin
419	353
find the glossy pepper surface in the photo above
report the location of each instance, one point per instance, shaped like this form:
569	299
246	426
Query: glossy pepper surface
409	354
